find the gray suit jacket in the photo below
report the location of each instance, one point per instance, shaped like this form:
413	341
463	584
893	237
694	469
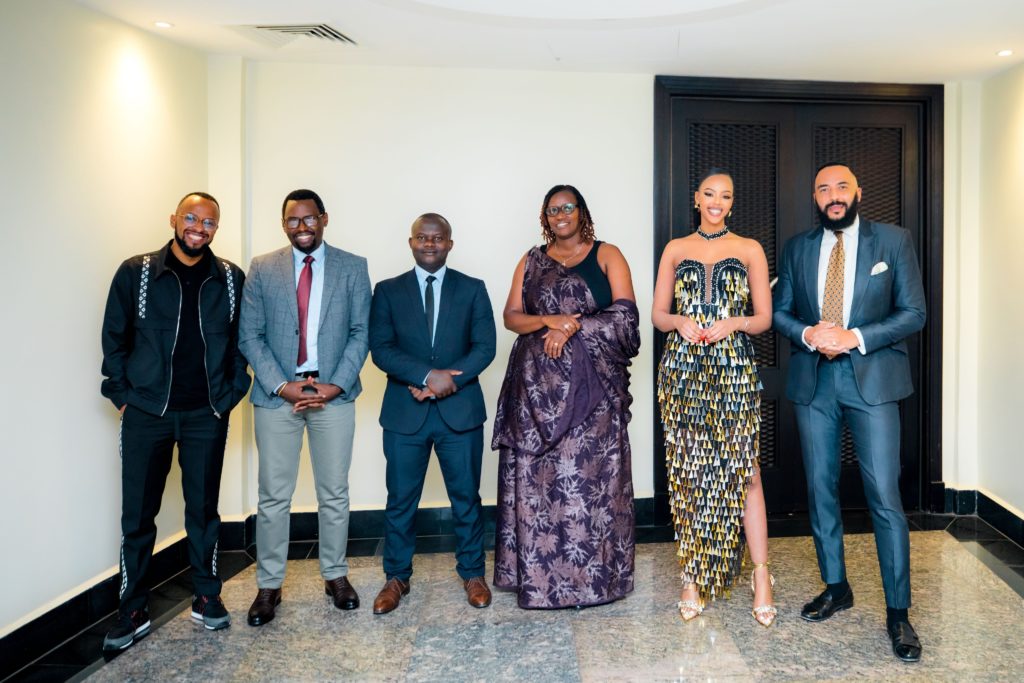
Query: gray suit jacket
268	331
888	306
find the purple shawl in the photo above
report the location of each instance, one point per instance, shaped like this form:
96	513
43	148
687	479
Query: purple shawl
543	398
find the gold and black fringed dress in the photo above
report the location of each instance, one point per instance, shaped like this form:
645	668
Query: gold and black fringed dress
710	400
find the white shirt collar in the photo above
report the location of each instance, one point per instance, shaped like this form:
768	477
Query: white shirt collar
421	275
850	233
318	255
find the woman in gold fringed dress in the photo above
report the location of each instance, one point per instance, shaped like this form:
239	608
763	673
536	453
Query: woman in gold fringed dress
709	395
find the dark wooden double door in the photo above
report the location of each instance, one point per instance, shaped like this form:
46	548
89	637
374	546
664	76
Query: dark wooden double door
772	146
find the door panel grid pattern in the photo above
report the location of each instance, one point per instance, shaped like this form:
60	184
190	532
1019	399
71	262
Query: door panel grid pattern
749	152
875	155
768	445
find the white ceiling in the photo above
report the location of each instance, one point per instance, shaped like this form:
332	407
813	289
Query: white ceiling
913	41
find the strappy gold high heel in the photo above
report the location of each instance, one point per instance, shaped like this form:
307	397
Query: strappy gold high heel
690	609
763	614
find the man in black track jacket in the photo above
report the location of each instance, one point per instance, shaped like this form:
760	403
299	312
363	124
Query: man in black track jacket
172	367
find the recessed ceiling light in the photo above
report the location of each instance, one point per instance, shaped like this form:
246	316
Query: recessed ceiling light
1004	53
163	24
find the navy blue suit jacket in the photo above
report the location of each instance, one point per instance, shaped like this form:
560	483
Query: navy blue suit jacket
463	340
888	306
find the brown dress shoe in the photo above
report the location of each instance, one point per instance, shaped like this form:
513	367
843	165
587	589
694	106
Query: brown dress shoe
390	595
343	593
262	609
477	592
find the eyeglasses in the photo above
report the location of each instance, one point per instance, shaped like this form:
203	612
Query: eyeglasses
430	239
191	220
310	221
564	208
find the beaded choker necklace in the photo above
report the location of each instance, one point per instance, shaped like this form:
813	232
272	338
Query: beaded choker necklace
713	235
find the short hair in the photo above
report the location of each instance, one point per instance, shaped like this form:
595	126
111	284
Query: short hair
586	221
437	218
301	196
204	195
829	164
713	171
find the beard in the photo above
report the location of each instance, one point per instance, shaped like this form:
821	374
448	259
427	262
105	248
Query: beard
189	251
839	224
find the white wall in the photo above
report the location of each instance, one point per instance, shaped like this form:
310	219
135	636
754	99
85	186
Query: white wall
961	276
1001	326
383	145
102	127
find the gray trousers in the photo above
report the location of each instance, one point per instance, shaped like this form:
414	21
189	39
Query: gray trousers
279	442
876	438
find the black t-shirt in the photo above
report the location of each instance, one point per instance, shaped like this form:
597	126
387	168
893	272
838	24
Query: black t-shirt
189	389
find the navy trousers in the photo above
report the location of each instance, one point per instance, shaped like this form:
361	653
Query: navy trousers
876	438
459	454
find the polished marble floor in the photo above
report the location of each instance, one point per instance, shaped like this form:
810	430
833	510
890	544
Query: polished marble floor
968	611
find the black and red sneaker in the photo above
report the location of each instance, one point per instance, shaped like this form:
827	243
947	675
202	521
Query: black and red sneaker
129	628
210	610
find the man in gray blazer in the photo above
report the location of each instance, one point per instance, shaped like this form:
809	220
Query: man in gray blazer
303	328
849	294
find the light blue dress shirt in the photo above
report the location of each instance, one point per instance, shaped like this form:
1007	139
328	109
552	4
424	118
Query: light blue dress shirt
316	294
421	278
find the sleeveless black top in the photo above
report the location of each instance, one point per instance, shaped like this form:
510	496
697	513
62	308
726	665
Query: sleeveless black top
590	270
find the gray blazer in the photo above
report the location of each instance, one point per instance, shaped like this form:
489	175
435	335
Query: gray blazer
888	306
268	329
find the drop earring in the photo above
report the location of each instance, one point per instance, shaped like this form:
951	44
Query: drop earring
729	215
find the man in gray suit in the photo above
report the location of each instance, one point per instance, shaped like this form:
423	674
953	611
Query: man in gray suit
849	294
303	328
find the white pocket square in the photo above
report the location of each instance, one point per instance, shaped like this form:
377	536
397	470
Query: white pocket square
879	267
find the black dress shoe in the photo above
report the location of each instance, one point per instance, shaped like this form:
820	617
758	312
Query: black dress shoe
823	606
905	644
262	610
343	593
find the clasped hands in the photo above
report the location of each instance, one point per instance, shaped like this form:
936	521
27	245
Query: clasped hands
308	394
689	330
561	328
440	384
830	339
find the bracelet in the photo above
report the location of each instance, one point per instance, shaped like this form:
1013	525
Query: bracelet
746	324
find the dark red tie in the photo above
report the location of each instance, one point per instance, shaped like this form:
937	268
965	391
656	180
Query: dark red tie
305	284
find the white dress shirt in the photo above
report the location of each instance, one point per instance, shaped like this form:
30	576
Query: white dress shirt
851	236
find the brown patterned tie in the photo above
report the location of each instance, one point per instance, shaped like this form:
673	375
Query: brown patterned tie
832	303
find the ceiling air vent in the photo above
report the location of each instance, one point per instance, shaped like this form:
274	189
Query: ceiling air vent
278	35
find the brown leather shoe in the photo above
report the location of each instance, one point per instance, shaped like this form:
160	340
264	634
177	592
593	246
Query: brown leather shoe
390	595
343	593
477	592
262	609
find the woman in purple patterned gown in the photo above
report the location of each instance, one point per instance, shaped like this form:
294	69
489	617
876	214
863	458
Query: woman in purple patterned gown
565	535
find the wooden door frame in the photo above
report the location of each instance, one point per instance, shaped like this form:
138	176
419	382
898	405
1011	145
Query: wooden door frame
929	101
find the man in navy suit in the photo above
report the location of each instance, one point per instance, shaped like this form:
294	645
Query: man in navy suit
848	296
432	332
